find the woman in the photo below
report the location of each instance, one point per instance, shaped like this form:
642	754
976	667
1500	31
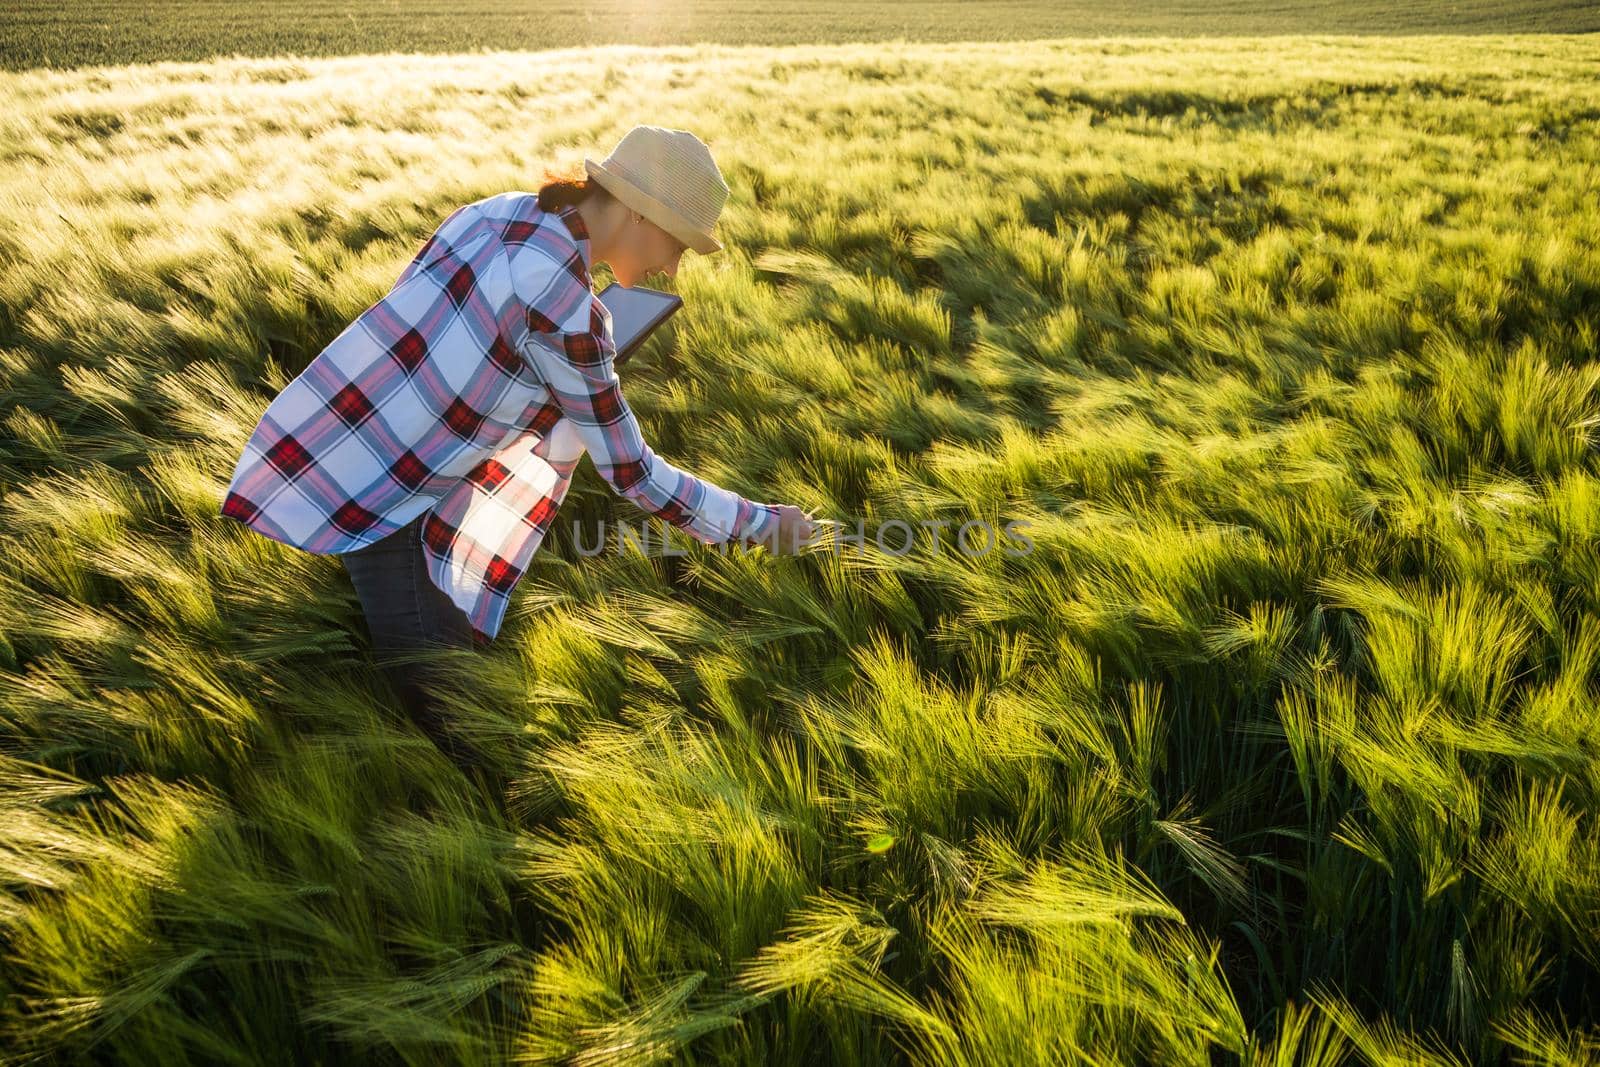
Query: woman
431	443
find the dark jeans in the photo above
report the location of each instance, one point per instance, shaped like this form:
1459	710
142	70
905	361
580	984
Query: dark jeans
406	613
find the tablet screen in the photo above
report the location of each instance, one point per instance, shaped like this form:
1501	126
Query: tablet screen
635	312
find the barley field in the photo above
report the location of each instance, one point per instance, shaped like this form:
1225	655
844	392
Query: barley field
49	33
1280	747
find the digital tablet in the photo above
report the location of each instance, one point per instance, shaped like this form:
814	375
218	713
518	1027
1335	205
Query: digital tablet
635	313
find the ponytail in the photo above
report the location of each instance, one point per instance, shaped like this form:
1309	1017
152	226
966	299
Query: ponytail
558	191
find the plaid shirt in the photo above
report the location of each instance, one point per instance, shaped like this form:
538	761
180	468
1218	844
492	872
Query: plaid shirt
468	392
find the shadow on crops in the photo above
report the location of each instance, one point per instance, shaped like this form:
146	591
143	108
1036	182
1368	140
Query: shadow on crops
1314	105
1237	205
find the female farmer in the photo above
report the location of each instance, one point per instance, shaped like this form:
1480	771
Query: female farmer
431	443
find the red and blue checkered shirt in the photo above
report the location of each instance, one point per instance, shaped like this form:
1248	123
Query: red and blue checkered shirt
469	392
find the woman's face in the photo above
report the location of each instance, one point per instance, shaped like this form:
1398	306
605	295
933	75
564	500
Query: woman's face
645	249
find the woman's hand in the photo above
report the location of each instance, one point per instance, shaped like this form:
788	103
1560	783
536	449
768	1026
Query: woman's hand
795	528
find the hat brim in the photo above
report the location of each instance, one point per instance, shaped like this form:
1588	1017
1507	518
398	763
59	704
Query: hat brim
652	209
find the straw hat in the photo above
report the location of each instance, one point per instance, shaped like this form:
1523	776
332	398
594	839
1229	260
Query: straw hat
669	177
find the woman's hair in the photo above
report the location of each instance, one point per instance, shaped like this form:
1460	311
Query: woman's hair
560	191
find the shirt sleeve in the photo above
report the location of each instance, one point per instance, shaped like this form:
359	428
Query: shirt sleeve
577	367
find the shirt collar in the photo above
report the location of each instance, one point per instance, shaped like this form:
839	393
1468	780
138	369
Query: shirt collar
569	215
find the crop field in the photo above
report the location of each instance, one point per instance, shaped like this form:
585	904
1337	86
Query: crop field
49	33
1279	745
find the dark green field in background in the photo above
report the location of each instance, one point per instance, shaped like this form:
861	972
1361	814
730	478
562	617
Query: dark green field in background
34	33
